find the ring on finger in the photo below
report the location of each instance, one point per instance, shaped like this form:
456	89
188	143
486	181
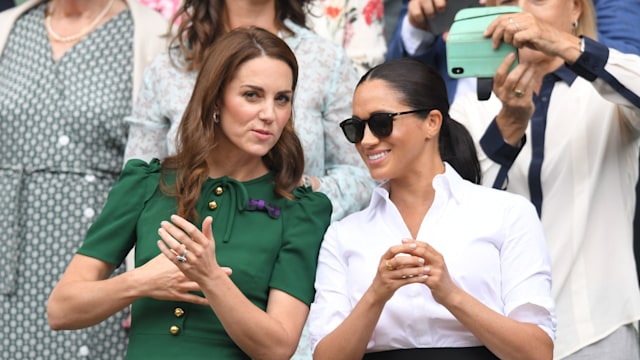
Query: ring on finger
183	257
518	93
515	24
389	266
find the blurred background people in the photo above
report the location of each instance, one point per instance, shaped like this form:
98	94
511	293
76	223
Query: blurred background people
562	129
166	7
421	33
236	288
392	10
69	71
437	267
356	25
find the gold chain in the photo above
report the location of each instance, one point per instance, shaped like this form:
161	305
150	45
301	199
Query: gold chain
83	32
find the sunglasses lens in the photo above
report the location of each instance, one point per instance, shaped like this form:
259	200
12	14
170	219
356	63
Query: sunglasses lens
353	129
381	125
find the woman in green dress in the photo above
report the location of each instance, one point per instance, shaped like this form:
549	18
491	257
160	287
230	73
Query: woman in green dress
238	286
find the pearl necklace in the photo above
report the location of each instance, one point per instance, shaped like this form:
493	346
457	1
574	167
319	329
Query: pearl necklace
83	32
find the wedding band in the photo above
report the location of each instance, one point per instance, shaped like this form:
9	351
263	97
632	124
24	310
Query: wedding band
518	93
389	266
515	23
183	257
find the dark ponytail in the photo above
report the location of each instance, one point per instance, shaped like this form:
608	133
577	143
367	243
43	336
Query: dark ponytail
457	148
421	87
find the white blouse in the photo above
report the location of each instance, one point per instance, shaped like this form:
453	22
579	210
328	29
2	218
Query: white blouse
492	243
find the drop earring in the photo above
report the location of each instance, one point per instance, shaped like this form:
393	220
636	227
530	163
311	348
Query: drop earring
216	117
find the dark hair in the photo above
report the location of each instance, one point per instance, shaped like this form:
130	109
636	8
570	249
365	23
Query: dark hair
421	87
197	128
202	22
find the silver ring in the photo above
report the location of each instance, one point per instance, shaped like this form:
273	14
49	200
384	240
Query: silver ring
183	257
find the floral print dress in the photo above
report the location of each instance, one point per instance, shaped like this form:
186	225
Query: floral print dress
356	25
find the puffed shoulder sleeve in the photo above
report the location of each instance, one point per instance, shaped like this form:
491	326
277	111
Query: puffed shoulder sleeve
113	234
305	221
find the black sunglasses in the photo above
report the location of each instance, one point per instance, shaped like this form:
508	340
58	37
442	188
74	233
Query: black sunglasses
380	124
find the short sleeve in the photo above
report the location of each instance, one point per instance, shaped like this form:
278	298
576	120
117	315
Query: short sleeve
305	222
332	303
526	269
113	234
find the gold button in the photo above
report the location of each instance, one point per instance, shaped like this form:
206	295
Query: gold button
174	330
178	312
219	190
213	205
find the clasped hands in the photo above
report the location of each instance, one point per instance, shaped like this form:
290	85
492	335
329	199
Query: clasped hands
413	262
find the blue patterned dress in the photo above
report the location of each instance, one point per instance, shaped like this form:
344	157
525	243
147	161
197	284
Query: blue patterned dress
61	145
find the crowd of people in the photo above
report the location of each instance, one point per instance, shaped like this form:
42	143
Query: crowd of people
302	179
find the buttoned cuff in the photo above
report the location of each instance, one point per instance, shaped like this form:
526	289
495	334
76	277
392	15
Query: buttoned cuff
497	149
592	61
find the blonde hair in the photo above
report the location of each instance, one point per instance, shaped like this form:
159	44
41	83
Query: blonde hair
587	23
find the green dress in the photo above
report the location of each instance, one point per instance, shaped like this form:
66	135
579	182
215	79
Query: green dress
268	241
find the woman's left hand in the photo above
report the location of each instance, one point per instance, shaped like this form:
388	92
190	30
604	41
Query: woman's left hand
192	250
438	279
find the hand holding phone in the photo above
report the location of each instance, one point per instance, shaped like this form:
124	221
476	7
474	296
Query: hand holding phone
469	52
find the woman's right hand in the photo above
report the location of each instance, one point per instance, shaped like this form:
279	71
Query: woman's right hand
420	11
397	267
161	279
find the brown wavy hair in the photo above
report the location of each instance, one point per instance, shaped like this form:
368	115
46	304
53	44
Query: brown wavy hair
196	132
202	22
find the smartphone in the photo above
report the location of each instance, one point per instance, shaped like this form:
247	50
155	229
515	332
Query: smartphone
441	22
469	52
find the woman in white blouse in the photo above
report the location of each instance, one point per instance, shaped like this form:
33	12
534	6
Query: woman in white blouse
563	129
437	266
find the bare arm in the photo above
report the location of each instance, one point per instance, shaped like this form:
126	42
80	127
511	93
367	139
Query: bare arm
86	296
505	337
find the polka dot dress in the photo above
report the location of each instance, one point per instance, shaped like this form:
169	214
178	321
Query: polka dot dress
61	144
